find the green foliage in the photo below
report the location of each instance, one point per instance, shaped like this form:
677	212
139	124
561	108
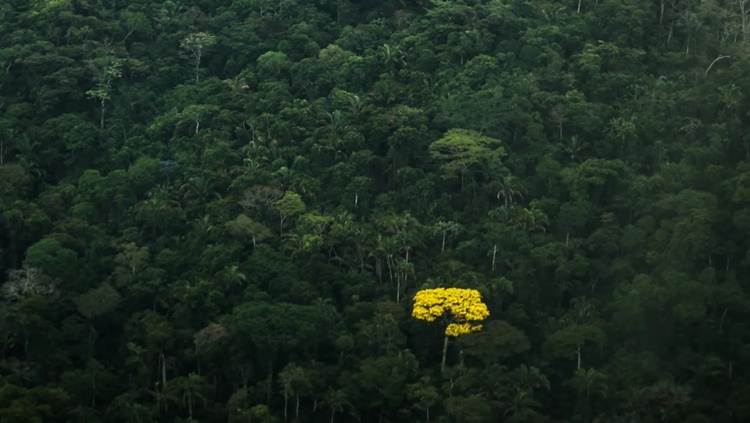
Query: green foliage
461	149
289	205
497	341
37	405
273	329
148	149
97	301
54	260
15	182
567	342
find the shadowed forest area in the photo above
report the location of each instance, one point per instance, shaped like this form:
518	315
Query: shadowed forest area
221	211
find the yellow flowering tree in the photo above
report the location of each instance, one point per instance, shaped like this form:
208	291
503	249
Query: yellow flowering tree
460	310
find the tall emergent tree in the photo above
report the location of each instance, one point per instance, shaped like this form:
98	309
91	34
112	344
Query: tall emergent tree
458	309
106	70
196	45
459	150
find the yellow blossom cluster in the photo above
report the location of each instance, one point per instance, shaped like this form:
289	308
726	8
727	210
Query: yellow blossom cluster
460	308
455	329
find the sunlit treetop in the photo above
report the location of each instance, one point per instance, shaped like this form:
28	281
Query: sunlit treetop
460	308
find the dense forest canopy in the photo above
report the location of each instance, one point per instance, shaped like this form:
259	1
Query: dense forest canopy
221	211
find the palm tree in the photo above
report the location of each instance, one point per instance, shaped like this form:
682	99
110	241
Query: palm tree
185	390
574	147
583	311
402	270
393	56
332	134
519	400
26	154
152	211
298	243
530	377
383	252
356	104
287	178
406	231
533	220
203	228
128	407
255	149
589	383
160	396
84	413
509	188
523	382
237	83
337	123
233	275
337	401
197	187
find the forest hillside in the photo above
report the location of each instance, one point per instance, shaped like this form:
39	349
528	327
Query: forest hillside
246	211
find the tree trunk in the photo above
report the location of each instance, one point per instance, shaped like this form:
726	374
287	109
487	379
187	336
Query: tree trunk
93	389
445	352
197	360
721	322
578	353
661	13
101	116
269	389
494	256
296	407
579	7
743	16
190	406
163	363
390	268
286	404
671	30
443	247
